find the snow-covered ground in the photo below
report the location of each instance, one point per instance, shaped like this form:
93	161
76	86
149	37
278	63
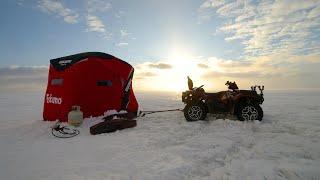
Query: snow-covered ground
285	145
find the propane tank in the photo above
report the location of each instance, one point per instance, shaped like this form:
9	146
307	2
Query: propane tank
75	116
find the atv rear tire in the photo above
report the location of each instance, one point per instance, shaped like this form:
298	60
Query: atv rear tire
195	112
250	112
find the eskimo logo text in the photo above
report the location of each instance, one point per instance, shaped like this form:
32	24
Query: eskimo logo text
53	100
64	62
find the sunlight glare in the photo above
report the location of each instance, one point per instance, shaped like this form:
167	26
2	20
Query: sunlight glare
183	65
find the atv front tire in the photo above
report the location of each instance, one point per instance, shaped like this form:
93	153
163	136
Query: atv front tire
250	112
195	112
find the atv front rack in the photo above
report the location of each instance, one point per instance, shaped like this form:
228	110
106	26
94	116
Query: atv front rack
261	89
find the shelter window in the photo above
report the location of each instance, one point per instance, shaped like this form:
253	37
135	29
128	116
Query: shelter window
104	83
56	81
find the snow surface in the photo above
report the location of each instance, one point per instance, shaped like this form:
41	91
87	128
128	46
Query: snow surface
285	145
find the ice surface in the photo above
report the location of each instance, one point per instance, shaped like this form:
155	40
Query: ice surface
285	145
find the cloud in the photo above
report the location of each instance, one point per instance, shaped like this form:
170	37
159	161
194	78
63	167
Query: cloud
58	9
20	2
280	41
293	72
93	20
23	78
212	3
122	44
124	33
148	74
160	65
215	74
204	66
15	70
144	75
315	12
269	27
92	13
119	14
95	6
285	71
95	24
240	75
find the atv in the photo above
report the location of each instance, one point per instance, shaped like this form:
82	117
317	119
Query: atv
244	104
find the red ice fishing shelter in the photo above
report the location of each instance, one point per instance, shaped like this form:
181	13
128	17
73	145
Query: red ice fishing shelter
95	81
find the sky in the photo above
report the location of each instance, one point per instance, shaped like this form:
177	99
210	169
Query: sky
272	43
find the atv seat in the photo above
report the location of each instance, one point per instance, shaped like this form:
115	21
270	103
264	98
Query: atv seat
217	95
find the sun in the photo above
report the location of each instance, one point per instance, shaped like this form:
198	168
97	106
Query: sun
174	79
183	65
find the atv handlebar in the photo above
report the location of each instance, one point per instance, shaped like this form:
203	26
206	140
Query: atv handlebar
196	88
